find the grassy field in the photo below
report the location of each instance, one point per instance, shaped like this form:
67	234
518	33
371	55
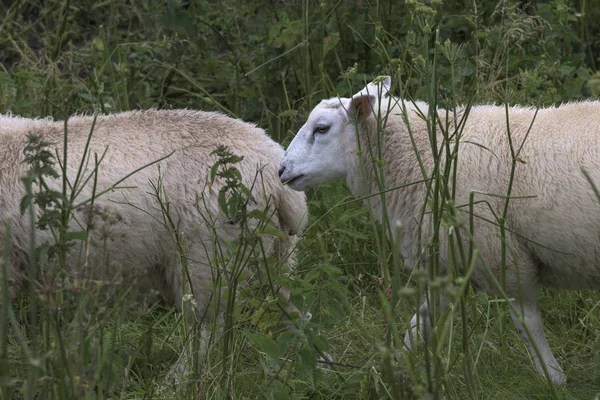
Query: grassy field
271	62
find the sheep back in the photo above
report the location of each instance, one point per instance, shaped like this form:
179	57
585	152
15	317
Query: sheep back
552	238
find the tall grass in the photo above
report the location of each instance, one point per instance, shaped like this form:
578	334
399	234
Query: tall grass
88	338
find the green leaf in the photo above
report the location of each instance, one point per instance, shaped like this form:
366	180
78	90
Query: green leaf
311	275
233	207
283	342
280	395
307	358
79	235
25	203
566	70
222	202
584	73
288	114
273	231
330	42
245	191
213	171
320	343
260	215
330	269
265	344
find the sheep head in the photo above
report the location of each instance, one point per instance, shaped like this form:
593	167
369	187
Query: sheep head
325	148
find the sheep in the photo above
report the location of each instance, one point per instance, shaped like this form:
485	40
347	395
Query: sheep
552	237
129	220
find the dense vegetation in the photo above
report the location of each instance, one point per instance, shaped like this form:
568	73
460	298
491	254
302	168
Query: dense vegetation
270	62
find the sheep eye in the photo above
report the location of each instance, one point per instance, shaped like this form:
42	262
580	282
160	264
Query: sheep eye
321	129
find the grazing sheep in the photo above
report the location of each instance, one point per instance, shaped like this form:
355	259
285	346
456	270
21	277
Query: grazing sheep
128	220
552	239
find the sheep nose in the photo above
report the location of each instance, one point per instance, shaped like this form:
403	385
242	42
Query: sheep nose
281	171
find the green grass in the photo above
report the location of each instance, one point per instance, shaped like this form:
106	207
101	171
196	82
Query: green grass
271	65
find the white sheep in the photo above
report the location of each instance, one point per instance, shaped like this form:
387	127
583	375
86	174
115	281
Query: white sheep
552	239
128	220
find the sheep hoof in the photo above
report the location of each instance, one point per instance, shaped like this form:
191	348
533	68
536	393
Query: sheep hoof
558	377
307	317
412	334
176	375
410	339
325	361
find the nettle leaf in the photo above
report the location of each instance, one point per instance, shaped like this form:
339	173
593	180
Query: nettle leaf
330	42
233	207
288	114
25	203
280	395
584	73
50	218
47	198
320	342
81	235
308	360
235	173
265	344
222	198
283	342
273	231
312	275
235	159
260	215
286	32
331	269
246	192
213	172
566	70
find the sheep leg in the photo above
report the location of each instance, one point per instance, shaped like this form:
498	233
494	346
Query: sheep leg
532	319
291	326
420	324
180	371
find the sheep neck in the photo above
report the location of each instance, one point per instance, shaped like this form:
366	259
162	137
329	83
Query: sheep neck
387	162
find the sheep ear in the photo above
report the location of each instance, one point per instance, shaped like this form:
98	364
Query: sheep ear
385	82
363	103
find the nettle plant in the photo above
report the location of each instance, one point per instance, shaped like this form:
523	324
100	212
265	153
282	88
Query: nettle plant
246	284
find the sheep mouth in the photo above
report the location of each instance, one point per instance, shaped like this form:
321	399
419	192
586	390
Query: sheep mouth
294	179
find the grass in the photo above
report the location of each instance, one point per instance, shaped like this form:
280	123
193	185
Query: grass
272	66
